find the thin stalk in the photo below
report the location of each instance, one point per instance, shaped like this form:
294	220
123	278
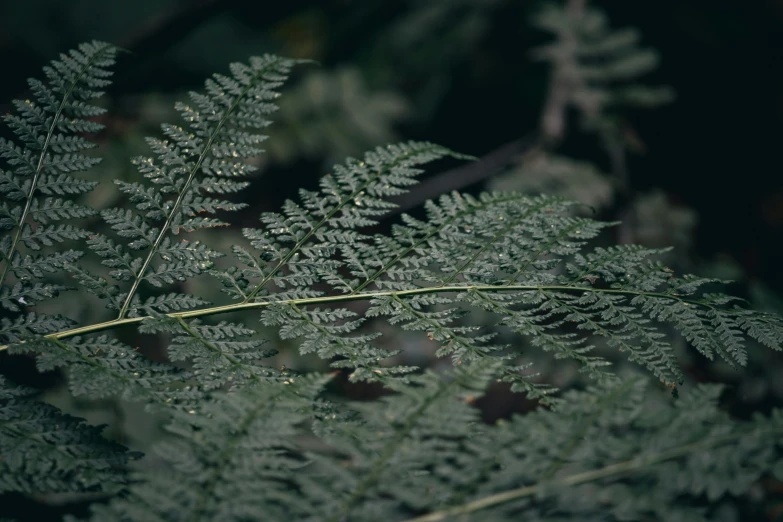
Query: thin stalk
236	307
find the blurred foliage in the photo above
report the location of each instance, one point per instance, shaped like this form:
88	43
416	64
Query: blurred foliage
332	115
552	174
592	66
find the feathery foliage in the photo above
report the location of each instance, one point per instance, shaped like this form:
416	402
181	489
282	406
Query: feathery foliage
38	178
46	451
423	450
251	441
196	162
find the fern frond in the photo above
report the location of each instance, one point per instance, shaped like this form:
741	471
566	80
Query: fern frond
422	454
240	448
46	451
47	152
519	257
221	354
327	223
513	255
657	464
220	130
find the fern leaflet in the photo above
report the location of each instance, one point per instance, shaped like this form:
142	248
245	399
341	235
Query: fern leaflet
42	161
196	160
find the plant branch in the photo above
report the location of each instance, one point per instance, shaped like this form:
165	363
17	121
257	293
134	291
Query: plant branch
237	307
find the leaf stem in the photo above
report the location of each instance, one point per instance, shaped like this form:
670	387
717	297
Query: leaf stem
236	307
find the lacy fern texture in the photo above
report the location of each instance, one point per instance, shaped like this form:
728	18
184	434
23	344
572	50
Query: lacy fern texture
487	279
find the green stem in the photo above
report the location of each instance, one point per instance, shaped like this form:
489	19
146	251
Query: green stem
236	307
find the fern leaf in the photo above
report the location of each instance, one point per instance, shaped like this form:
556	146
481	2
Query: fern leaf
167	303
658	464
96	285
422	454
528	314
27	267
525	256
221	354
49	235
103	367
219	132
48	152
14	298
241	449
46	451
31	325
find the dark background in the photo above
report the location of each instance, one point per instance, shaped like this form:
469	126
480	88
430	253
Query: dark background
715	149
